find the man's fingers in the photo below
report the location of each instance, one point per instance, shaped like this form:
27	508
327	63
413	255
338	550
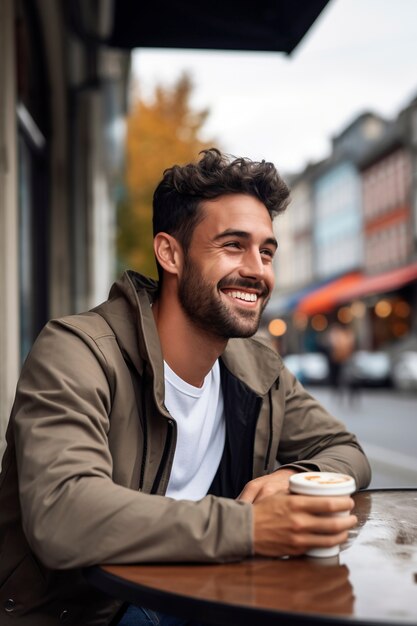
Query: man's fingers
249	493
254	493
329	525
304	541
292	524
266	486
322	504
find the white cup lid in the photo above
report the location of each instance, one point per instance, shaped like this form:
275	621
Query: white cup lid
322	483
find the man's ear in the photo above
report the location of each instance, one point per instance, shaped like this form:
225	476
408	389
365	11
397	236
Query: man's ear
168	252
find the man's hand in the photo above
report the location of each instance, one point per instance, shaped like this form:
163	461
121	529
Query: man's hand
264	486
291	524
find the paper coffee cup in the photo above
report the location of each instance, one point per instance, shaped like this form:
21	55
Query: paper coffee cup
323	484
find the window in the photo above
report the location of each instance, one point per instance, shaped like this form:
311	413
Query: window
33	173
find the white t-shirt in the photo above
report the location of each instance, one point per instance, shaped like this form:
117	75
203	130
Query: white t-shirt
198	412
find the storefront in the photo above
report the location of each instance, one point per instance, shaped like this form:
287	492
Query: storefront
381	309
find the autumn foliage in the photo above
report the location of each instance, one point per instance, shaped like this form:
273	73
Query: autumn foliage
160	133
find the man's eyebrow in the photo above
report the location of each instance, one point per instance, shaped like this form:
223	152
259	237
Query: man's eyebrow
242	234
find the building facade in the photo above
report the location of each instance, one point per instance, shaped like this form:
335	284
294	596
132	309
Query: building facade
338	213
338	243
293	264
387	210
62	104
361	203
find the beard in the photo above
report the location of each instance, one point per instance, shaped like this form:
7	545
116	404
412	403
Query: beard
204	306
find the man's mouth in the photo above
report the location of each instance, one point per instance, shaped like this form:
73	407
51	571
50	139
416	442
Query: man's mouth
244	292
241	295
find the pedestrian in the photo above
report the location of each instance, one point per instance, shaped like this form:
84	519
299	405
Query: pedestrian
340	346
155	427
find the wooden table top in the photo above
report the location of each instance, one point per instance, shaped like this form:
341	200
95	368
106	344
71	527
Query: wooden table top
372	581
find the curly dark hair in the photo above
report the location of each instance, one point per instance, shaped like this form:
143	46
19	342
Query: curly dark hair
178	197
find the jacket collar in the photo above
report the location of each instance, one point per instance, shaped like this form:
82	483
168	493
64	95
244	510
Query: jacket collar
128	312
254	362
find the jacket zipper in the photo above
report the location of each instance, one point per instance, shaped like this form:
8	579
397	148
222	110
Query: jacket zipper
145	437
271	424
268	450
167	445
140	401
164	459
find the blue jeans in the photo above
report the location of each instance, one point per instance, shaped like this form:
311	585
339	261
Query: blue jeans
138	616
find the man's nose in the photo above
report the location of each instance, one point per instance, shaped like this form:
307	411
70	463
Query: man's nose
253	265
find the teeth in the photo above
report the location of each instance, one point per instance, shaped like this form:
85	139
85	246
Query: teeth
241	295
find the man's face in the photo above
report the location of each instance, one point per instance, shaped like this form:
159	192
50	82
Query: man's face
227	275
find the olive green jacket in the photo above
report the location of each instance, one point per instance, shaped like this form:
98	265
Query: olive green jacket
90	448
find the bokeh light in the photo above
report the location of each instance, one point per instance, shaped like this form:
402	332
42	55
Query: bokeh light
319	322
345	315
383	308
277	327
402	309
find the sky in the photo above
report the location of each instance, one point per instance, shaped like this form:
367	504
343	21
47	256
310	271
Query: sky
359	55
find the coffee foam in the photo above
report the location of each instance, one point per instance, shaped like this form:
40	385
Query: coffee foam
322	483
332	480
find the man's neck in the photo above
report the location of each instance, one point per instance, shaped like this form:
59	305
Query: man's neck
189	351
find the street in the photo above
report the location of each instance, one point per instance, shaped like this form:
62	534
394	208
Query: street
385	422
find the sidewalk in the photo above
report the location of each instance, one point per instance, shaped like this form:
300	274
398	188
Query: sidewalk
385	422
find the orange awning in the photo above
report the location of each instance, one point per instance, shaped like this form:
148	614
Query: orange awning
326	298
381	283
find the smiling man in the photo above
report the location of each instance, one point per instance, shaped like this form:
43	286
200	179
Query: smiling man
216	287
156	427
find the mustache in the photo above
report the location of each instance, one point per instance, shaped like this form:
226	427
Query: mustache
230	283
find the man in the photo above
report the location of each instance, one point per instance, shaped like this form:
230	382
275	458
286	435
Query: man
150	428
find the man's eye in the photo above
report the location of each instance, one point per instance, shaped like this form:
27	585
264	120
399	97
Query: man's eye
267	252
232	244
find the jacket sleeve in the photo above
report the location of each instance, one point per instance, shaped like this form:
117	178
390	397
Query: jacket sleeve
313	440
73	513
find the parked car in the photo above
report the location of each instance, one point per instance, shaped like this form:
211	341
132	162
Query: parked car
368	369
404	371
310	368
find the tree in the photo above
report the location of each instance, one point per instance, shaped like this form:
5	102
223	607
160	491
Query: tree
160	133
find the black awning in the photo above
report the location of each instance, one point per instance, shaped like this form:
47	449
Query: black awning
264	25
